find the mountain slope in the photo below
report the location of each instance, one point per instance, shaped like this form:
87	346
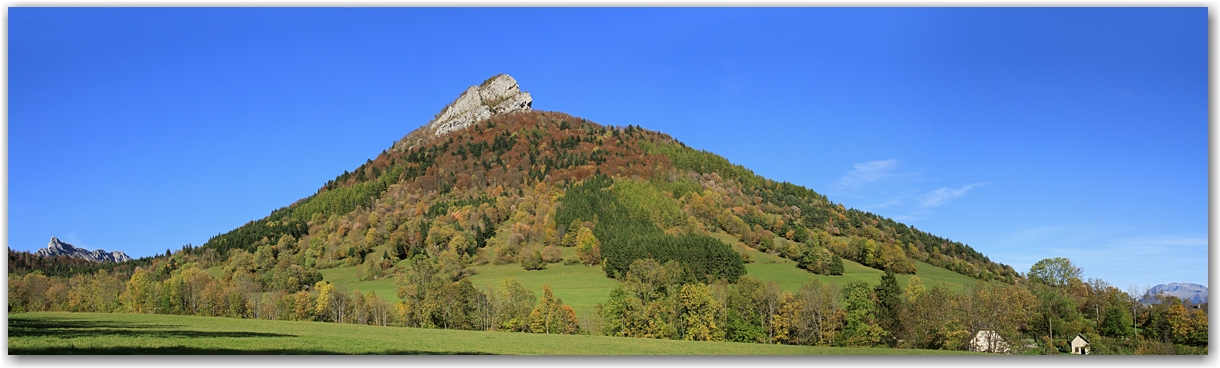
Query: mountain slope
516	186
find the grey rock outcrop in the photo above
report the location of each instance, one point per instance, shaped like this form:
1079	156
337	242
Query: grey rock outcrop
59	248
497	95
1195	293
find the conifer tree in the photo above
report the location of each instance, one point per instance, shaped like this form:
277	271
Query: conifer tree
569	237
836	266
889	302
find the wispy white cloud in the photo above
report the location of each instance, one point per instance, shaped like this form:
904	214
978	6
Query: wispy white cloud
73	238
1033	234
1143	260
867	172
889	203
943	196
1116	254
917	215
1135	250
1165	240
889	187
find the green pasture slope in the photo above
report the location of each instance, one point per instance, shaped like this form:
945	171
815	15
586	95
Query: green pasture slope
583	287
102	333
790	277
217	272
345	278
579	286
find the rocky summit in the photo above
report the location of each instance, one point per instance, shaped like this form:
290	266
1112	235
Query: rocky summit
58	248
496	95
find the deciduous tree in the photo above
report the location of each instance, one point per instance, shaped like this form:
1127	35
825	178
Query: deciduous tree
700	314
550	316
588	248
860	328
1054	272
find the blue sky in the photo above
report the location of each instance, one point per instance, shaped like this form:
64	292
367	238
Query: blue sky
1024	133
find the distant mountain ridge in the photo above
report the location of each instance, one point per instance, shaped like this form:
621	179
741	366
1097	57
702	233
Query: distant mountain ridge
57	247
1195	293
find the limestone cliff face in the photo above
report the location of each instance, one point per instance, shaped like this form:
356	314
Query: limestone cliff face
497	95
59	248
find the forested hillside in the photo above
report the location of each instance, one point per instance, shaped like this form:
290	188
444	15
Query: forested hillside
535	188
517	169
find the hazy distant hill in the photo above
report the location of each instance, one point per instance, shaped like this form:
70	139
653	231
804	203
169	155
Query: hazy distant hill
1195	293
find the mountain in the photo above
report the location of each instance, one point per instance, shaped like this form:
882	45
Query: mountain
1195	293
59	248
490	180
495	96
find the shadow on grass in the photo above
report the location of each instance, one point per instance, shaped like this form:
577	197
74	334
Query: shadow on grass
63	328
184	350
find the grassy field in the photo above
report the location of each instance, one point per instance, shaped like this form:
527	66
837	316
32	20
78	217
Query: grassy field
345	278
580	286
216	271
101	333
789	277
932	275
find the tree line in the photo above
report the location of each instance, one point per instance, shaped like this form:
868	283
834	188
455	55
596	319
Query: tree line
626	237
434	292
666	301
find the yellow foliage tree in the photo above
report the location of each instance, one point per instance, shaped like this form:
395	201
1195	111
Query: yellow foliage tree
139	296
552	316
701	313
914	289
588	248
322	304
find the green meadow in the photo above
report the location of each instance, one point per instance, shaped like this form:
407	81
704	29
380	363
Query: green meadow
345	278
583	287
790	277
104	333
216	271
580	286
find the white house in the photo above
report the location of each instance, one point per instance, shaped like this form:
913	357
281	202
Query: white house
1080	345
989	341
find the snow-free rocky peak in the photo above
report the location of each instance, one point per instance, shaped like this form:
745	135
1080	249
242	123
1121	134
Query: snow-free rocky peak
1195	293
58	248
497	95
